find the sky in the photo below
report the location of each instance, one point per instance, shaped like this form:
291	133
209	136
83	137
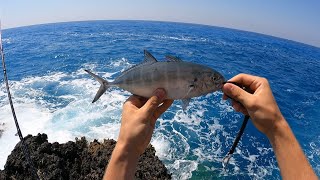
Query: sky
297	20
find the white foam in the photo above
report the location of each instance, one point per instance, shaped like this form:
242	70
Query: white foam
123	62
183	169
162	146
6	40
32	119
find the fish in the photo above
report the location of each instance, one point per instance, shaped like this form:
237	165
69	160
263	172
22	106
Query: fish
180	79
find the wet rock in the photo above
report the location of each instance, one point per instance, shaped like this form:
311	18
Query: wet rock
74	160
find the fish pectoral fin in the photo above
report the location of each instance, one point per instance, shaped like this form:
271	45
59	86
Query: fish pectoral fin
191	87
173	58
185	103
148	57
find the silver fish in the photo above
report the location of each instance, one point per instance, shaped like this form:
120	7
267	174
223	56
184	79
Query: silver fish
181	80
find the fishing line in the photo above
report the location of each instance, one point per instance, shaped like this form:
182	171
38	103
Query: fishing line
24	146
225	160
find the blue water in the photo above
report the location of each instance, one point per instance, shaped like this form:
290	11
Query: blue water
53	94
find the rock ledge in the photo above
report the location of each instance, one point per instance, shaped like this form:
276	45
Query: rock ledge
74	160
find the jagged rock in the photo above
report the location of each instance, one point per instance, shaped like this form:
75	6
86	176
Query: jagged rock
74	160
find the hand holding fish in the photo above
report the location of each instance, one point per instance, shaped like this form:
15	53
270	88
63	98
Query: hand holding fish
266	116
139	116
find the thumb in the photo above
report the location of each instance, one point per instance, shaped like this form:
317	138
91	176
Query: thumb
236	93
152	104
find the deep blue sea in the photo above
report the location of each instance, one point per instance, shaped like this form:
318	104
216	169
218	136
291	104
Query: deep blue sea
52	92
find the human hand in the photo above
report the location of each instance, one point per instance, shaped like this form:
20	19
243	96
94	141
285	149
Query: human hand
260	105
139	116
138	120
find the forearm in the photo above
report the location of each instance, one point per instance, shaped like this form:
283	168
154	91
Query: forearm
291	160
122	164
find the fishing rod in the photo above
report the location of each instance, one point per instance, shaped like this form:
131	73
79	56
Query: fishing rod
226	159
24	146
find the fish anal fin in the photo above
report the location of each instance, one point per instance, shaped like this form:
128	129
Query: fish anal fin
185	103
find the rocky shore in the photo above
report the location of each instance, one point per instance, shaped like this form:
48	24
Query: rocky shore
74	160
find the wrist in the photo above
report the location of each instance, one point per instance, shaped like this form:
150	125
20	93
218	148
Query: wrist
131	145
124	152
279	129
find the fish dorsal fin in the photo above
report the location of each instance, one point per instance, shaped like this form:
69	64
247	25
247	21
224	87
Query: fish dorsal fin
173	58
148	57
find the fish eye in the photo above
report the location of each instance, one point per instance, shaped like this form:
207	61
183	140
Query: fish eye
213	78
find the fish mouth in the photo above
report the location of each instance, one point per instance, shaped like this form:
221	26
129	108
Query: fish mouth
220	85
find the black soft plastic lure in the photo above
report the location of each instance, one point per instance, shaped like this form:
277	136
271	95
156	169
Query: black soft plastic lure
226	159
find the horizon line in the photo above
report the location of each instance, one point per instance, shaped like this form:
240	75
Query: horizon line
163	21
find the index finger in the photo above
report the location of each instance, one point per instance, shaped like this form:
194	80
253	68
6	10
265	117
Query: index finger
246	80
136	101
163	107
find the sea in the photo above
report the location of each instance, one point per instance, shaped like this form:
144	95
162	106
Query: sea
52	93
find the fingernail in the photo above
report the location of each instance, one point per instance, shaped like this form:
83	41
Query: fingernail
160	93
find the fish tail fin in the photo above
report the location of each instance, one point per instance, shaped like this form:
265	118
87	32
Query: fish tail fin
103	88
